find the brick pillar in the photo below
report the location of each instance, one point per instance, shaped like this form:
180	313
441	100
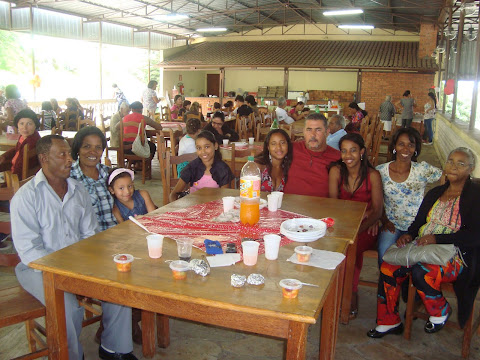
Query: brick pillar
428	40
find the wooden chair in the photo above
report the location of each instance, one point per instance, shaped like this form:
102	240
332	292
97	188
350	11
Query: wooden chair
88	113
28	154
288	129
237	153
193	116
70	120
377	139
105	127
241	126
164	113
41	119
127	160
85	122
262	132
469	330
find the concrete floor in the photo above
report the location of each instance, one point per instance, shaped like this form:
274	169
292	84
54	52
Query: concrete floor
197	342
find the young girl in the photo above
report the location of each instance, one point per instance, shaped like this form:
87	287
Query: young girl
187	143
208	170
128	201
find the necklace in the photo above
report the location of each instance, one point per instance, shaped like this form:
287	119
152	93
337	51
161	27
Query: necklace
311	158
453	194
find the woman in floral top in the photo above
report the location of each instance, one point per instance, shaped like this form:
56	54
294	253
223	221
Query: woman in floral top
277	157
404	181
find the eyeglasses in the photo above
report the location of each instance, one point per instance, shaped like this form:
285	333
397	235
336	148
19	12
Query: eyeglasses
458	164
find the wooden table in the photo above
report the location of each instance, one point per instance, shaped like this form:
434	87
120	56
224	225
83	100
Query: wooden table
7	144
87	268
65	134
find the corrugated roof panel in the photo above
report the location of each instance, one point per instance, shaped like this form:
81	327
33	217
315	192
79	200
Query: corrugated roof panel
73	7
117	34
54	24
20	18
140	39
91	31
160	42
4	15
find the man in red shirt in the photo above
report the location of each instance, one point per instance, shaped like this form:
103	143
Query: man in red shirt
308	174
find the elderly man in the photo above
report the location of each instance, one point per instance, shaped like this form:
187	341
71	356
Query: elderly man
336	125
308	174
53	211
282	114
387	111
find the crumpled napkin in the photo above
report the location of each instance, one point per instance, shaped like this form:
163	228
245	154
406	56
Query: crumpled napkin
229	216
322	259
223	260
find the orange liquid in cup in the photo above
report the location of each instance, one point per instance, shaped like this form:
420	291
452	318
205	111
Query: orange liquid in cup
249	213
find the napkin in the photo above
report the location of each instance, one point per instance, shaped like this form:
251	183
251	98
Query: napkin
230	216
322	259
223	260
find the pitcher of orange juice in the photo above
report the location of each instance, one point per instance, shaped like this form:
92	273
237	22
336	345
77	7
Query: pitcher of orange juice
250	179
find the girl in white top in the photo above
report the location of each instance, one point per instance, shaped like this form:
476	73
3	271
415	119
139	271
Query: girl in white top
187	143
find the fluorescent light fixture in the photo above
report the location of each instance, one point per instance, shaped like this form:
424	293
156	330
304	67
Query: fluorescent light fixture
343	12
362	27
170	17
213	29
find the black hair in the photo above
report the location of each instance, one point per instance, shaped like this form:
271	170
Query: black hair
364	163
177	97
12	92
73	104
406	93
250	99
54	103
152	84
305	109
354	105
228	104
193	125
240	98
118	176
432	96
264	157
217	105
219	114
81	134
45	143
26	113
186	103
205	134
413	136
47	106
300	103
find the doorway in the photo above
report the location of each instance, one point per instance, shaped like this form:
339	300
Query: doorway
213	84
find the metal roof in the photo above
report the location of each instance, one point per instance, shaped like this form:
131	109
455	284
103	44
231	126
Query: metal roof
244	15
380	55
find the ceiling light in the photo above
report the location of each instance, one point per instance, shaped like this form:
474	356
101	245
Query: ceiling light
343	12
214	29
170	17
356	27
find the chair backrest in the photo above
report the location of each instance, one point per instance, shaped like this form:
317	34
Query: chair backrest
71	118
28	154
85	122
377	139
121	151
288	129
238	153
194	116
105	124
88	112
41	119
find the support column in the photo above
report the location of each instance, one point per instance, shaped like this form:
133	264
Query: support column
100	60
447	59
222	84
33	54
457	61
149	54
473	109
285	81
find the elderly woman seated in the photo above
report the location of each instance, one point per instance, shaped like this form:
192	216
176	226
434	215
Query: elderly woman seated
448	215
27	123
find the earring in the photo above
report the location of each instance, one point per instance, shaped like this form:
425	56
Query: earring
270	157
361	157
394	151
415	153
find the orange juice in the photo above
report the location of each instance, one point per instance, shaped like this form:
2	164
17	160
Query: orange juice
249	213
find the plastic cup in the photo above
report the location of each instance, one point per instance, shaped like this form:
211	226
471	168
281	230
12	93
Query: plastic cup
225	142
303	253
280	197
155	246
244	140
179	269
250	252
124	262
290	288
228	202
184	248
272	202
272	246
251	140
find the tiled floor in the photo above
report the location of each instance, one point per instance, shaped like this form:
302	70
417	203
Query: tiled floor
191	341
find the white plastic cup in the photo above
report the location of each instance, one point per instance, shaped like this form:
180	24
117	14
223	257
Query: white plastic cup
280	198
155	246
272	202
225	142
251	140
250	252
272	246
228	202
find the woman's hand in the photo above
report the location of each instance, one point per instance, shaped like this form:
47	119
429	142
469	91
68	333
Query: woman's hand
426	240
373	229
404	240
388	225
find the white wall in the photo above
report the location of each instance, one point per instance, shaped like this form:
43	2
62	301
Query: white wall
322	80
250	80
193	81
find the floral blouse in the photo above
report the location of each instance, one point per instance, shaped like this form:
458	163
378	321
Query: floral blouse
267	183
443	218
402	200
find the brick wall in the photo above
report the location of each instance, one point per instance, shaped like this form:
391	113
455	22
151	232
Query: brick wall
428	40
376	85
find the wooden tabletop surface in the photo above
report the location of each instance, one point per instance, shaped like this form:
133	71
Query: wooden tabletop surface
92	259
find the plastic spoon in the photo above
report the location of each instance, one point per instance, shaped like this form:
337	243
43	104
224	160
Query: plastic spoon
308	284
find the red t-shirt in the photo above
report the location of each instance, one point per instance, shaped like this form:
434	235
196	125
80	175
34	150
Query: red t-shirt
137	117
308	174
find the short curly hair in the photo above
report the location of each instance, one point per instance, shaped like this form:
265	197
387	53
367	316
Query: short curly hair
81	134
29	114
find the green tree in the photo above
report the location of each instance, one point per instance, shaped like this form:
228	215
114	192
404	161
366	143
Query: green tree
13	56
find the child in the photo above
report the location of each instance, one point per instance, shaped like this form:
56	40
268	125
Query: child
187	143
185	108
208	170
49	116
128	201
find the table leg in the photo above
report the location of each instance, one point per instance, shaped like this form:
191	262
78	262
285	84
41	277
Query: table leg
163	330
55	319
330	318
297	340
148	333
347	285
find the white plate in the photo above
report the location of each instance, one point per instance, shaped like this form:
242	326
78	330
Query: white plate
240	144
303	230
263	203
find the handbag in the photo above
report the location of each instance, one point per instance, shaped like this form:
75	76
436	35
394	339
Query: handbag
410	254
139	149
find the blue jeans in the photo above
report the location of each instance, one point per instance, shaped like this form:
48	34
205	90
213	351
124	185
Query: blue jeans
429	129
385	240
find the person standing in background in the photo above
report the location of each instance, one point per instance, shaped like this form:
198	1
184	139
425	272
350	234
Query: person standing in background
430	108
119	96
149	97
407	103
386	112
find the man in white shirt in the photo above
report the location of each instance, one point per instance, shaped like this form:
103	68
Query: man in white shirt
282	114
336	125
53	211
